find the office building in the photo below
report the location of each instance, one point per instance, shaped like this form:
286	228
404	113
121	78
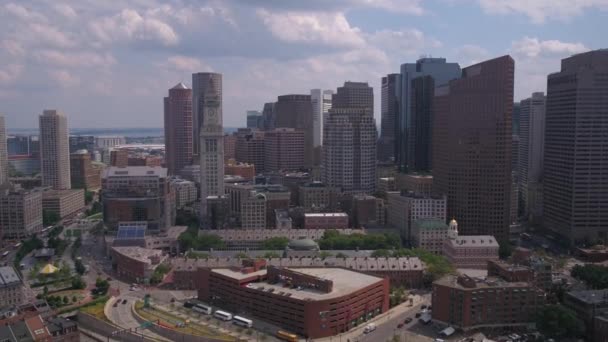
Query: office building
417	183
84	174
588	306
368	211
284	149
415	119
137	193
208	127
466	303
3	153
135	263
319	302
20	213
321	104
253	211
429	234
178	125
229	146
386	184
82	142
250	148
406	207
317	197
472	147
54	150
11	287
389	110
232	168
119	157
325	221
64	203
22	145
255	119
349	149
575	177
186	192
109	141
27	165
295	111
268	115
355	95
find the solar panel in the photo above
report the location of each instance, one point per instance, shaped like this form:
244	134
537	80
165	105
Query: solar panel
125	233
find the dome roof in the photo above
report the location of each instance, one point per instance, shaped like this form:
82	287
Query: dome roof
453	222
303	245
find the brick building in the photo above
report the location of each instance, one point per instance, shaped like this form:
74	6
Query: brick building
65	203
469	251
232	168
84	174
135	263
325	221
284	149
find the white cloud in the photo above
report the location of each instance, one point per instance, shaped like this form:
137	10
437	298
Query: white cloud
65	10
185	63
469	54
533	47
23	13
540	10
44	34
75	59
129	25
312	27
402	6
10	72
13	47
403	42
64	78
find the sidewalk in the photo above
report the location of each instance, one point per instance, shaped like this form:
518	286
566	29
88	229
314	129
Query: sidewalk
353	334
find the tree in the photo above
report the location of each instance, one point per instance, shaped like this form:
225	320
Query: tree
49	218
88	196
275	243
74	299
341	255
78	283
595	276
78	265
325	254
241	255
559	322
504	249
66	300
271	255
381	253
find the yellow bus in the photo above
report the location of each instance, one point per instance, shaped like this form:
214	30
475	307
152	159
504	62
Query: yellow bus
285	336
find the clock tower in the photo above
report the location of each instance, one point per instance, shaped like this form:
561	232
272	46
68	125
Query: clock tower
211	136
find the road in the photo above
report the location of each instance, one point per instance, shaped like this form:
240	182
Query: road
122	315
388	329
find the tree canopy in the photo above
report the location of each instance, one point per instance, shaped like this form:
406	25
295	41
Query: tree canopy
275	243
557	321
333	240
596	276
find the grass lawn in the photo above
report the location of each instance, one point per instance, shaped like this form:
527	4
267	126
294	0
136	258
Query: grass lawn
80	294
96	310
169	319
95	216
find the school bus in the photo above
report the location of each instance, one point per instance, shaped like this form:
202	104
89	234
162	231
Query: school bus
285	336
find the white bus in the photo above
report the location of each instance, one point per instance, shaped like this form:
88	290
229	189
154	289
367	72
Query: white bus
202	308
242	321
223	315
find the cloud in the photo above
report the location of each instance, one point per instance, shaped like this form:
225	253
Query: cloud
23	13
188	64
406	41
129	25
65	10
14	48
540	10
533	47
10	72
75	59
469	54
313	28
400	6
64	78
48	35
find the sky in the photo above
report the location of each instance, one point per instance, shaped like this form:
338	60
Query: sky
110	63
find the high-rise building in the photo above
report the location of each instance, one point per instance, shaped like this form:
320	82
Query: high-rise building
82	142
20	213
354	95
119	158
472	147
208	119
3	153
255	119
108	141
82	172
575	177
406	207
531	146
19	145
284	149
54	150
415	121
389	109
349	150
268	115
229	146
250	148
295	111
321	104
178	125
516	115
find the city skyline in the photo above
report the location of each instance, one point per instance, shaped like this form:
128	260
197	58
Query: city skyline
300	46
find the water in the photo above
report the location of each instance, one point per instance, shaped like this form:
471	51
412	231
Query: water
127	132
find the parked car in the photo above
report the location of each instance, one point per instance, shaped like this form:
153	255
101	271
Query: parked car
418	314
407	320
423	307
369	328
400	325
124	301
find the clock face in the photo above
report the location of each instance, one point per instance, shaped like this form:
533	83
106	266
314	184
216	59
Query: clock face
211	115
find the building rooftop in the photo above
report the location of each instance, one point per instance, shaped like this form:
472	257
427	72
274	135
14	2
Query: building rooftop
591	297
54	193
344	282
180	85
303	245
139	253
474	241
480	283
326	215
8	277
135	171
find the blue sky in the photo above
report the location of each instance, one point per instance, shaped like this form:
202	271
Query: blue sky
109	63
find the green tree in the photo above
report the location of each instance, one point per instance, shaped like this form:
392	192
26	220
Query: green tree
88	196
275	243
504	249
49	218
559	322
74	299
241	255
381	253
595	276
79	266
271	255
66	300
325	254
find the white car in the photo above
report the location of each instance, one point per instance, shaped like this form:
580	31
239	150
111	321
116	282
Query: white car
369	328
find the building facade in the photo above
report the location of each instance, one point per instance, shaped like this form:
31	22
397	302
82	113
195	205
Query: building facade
325	221
439	72
135	263
54	150
295	111
247	171
229	146
65	203
255	119
316	196
250	148
20	213
284	149
429	234
321	104
389	110
472	149
186	192
11	287
109	141
3	153
406	207
469	251
84	175
178	125
575	178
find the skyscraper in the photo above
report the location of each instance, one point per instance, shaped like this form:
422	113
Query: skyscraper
389	109
3	153
178	125
414	122
354	95
472	141
531	146
321	104
283	149
255	119
295	111
54	150
268	115
207	103
575	178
